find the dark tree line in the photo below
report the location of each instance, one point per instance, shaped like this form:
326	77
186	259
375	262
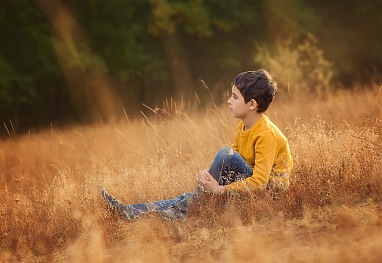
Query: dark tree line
71	61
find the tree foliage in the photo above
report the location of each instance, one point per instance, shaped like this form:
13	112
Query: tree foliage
29	73
297	69
152	49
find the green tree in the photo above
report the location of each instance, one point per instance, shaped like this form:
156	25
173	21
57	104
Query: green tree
27	64
141	51
297	68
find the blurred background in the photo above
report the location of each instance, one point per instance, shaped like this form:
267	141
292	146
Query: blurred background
69	62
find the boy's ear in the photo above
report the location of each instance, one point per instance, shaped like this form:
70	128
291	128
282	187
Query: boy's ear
252	104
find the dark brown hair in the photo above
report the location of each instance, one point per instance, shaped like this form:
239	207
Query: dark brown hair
257	85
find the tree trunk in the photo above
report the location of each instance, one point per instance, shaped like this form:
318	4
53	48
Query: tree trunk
90	87
175	53
178	65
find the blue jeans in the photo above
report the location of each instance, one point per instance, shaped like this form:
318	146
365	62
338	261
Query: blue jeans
227	167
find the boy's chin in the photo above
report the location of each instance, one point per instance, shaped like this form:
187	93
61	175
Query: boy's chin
234	115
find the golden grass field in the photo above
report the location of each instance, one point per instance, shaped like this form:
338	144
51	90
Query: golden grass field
51	209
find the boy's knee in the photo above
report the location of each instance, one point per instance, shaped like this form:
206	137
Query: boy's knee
225	153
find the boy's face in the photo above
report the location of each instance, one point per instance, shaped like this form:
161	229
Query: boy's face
237	105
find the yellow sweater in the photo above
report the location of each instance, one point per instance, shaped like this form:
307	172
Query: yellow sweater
265	148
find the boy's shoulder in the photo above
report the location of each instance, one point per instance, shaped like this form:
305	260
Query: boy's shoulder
263	124
263	127
260	126
274	129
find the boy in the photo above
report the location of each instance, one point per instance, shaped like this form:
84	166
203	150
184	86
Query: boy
259	157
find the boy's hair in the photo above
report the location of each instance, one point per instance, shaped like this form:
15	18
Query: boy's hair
257	85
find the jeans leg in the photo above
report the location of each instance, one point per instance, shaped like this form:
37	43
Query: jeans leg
163	204
228	167
172	209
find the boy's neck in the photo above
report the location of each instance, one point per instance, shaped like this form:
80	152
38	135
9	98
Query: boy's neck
251	120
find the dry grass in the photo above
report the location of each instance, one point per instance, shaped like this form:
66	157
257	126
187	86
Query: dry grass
51	209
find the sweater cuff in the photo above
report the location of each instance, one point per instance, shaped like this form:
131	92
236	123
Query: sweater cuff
237	186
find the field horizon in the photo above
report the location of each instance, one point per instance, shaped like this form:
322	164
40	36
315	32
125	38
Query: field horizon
51	208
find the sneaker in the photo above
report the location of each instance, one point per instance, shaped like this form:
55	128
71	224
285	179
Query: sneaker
126	211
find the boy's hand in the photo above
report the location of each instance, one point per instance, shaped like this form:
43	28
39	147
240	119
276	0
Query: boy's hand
207	183
201	179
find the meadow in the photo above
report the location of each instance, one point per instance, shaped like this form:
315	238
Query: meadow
51	209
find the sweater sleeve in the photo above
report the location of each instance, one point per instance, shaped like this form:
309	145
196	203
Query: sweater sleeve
265	152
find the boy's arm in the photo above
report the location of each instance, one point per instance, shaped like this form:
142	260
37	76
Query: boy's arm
265	152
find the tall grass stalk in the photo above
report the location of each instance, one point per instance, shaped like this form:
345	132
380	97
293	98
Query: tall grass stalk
51	209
